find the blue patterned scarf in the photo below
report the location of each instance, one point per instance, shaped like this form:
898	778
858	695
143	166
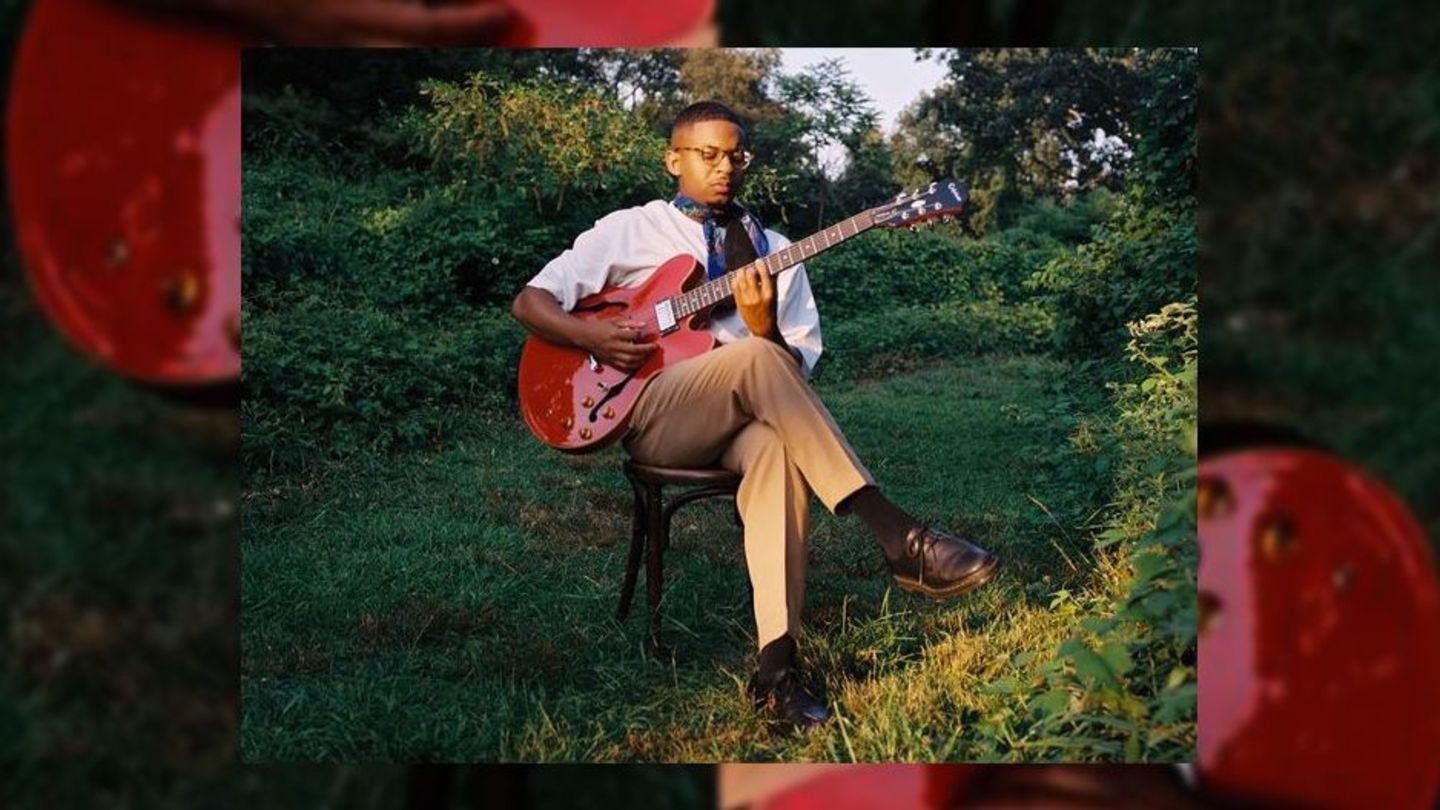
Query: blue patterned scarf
715	262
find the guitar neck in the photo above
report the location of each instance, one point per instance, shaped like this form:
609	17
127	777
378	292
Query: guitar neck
718	290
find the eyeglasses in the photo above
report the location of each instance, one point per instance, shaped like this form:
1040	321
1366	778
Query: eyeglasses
739	158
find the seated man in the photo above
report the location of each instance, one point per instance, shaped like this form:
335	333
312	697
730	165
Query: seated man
746	405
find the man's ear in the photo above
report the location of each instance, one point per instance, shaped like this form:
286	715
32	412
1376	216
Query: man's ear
672	162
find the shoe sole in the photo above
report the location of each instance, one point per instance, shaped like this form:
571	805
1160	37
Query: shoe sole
959	588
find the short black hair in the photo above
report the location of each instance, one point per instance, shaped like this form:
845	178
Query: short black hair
702	111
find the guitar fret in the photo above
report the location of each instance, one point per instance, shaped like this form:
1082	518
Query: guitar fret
714	291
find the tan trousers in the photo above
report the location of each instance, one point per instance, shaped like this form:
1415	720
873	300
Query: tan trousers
747	407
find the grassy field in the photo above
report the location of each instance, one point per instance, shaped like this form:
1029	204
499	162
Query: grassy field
459	604
119	579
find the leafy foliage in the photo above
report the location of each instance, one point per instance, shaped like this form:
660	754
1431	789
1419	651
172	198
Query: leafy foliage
1140	259
373	306
1130	670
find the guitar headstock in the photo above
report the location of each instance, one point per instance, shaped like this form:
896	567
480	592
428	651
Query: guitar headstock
943	198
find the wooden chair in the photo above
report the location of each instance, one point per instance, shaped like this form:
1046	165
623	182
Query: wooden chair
650	532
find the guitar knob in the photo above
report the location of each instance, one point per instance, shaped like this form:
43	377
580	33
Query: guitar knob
609	413
181	292
567	423
587	402
584	433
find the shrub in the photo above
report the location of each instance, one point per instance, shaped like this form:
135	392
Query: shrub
1130	672
375	300
1139	259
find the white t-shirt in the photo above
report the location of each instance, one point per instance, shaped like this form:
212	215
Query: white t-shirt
625	248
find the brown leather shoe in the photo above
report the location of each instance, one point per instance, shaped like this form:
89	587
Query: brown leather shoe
942	565
786	703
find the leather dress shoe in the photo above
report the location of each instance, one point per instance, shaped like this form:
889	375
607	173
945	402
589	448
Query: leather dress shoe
941	565
784	700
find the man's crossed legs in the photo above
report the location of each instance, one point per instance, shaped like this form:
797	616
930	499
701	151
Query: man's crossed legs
747	407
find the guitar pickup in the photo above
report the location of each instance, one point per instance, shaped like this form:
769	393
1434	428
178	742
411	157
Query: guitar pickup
665	316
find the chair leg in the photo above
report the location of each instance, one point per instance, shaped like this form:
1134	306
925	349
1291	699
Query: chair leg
638	520
656	533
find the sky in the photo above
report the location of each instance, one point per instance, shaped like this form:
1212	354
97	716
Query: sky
891	76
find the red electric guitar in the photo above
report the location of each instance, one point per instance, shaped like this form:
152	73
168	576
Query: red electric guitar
574	403
123	159
1319	635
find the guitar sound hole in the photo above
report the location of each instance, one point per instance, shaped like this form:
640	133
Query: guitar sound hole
611	394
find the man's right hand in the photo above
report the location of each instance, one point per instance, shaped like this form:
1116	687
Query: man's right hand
620	344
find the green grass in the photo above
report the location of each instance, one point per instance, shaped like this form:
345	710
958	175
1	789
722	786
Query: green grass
118	576
459	604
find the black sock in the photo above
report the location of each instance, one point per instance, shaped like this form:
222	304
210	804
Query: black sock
776	657
889	523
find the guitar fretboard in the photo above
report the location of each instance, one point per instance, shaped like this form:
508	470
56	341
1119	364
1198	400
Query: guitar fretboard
717	290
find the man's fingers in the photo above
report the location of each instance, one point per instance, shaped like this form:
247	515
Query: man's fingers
641	349
767	284
634	352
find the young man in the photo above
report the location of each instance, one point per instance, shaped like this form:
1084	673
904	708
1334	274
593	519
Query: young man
746	405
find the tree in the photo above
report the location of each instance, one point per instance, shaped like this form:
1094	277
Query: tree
739	79
1026	122
869	175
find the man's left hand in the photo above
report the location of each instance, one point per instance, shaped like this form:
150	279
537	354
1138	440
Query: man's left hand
755	299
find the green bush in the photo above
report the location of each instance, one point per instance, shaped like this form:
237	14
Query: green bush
887	269
902	337
340	381
375	300
1129	673
1141	258
883	270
